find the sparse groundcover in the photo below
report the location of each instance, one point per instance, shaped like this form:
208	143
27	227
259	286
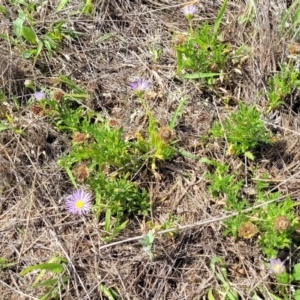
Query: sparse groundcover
149	149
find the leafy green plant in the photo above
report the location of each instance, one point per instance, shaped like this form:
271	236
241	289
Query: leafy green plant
171	222
107	160
243	130
157	144
49	41
112	226
282	84
156	53
276	221
101	158
147	242
224	183
227	292
56	281
200	52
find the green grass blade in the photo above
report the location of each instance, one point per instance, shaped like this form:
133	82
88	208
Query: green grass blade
177	112
55	268
201	75
219	19
62	4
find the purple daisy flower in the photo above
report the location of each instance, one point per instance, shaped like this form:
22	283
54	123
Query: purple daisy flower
277	266
189	11
139	85
78	203
39	95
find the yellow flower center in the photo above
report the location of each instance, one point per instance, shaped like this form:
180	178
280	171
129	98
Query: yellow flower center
278	268
79	204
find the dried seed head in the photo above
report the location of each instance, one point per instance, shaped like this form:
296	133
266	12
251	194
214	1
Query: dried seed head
114	123
165	134
81	172
281	223
58	95
79	137
37	110
247	230
179	39
294	49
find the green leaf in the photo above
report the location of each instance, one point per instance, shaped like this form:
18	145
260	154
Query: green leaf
187	154
205	160
107	219
38	50
296	272
61	5
297	295
179	60
213	262
52	281
274	297
4	10
49	282
219	18
5	264
3	127
109	293
4	37
296	17
177	112
28	53
210	295
71	84
104	37
249	155
201	75
71	177
29	34
53	267
88	8
18	24
48	47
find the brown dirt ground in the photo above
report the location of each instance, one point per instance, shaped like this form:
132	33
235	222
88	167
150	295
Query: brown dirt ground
33	224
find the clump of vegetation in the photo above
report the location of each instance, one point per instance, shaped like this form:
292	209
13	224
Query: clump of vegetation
100	157
261	215
280	85
51	280
200	51
243	130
